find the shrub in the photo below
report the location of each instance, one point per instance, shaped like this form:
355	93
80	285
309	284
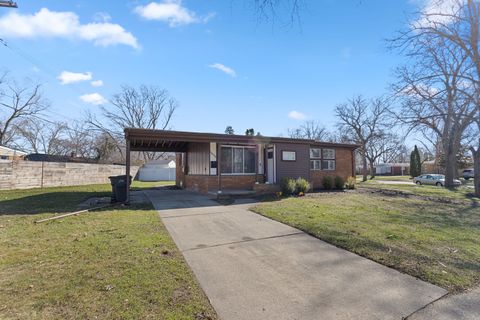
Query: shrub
288	186
327	182
350	183
339	183
302	185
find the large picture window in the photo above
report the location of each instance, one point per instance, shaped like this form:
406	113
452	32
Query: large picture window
322	159
237	160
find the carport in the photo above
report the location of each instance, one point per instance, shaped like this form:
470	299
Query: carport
178	141
151	141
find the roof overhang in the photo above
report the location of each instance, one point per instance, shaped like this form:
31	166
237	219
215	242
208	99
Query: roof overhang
177	141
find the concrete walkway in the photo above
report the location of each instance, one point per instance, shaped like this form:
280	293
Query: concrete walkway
394	182
464	306
252	267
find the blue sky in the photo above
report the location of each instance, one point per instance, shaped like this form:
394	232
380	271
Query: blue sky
221	64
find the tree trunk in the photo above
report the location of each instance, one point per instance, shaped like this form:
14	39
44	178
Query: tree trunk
365	169
372	170
476	169
450	159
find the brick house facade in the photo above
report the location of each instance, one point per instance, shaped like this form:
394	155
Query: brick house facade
207	162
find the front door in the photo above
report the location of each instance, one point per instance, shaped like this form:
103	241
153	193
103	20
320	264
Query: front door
270	165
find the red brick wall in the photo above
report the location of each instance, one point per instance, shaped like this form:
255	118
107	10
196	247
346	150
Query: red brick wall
204	183
343	168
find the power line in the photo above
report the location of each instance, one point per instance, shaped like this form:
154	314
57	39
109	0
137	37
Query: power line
43	68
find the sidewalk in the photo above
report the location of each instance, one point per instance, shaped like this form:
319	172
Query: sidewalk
252	267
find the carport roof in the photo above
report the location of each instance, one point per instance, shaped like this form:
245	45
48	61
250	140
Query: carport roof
177	141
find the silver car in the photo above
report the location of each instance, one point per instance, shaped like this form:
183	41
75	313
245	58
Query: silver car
434	180
468	173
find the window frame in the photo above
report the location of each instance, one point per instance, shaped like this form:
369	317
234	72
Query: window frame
319	153
317	163
328	158
233	161
289	152
329	161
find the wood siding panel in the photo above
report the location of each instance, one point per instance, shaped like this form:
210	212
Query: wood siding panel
198	157
293	169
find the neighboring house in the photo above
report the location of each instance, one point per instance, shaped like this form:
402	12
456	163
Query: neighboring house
157	170
11	154
208	162
392	169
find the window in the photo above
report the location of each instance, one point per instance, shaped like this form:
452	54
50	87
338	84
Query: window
315	153
322	159
328	165
328	154
289	155
315	164
237	160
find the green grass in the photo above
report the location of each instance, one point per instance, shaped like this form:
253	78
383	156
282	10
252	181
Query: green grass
391	178
459	193
439	243
118	263
151	184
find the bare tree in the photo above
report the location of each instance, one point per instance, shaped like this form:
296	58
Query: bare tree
383	145
364	122
17	103
311	130
42	137
145	107
441	87
271	10
80	141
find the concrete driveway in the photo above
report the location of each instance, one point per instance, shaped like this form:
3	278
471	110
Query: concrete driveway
252	267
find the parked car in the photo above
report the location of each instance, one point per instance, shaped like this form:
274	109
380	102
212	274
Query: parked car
434	180
468	173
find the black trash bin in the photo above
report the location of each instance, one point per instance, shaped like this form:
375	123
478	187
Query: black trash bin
119	187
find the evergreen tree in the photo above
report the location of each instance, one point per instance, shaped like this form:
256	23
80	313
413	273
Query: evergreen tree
415	163
229	130
250	132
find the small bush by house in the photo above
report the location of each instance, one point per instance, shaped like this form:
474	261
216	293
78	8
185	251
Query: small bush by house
302	185
327	183
339	183
350	183
291	186
288	186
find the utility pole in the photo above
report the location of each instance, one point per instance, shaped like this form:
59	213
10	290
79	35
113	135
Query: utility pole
8	4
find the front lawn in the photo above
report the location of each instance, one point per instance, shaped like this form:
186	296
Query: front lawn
464	192
118	263
437	242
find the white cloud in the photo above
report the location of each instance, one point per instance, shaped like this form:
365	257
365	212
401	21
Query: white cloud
224	69
93	98
171	12
97	83
53	24
67	77
102	17
296	115
439	11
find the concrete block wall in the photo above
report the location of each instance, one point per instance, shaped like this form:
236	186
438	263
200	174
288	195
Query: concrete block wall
20	174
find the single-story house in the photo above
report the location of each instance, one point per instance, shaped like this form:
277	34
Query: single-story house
157	170
11	154
210	162
392	169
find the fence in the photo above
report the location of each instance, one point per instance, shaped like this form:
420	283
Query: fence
19	174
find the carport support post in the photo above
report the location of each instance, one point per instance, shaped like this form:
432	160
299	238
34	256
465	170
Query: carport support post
127	170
